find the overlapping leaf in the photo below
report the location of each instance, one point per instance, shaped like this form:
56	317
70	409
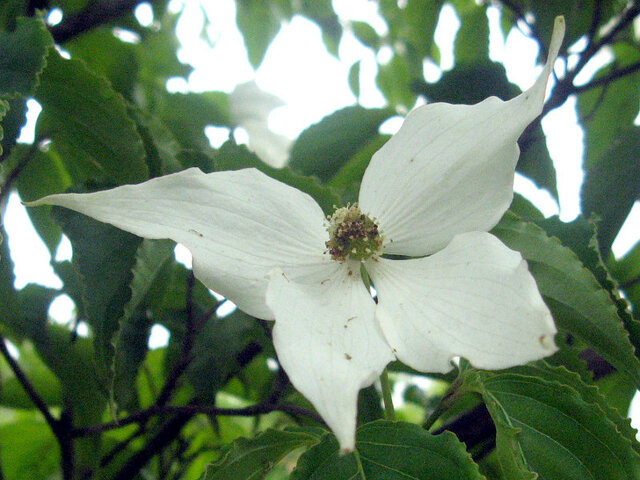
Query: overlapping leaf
554	427
389	451
104	257
43	174
579	304
22	56
132	336
81	109
581	236
251	459
612	184
324	147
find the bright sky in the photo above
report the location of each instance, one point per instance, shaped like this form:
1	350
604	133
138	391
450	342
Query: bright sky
312	84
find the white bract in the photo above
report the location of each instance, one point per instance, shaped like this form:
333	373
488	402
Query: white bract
432	192
250	108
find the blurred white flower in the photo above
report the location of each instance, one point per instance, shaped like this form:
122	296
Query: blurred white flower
250	108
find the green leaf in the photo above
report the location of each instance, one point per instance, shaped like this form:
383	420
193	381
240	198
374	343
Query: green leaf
44	382
81	109
12	119
421	19
589	393
4	108
259	22
618	391
103	256
347	180
612	185
552	429
580	306
163	150
369	405
488	78
234	157
22	56
354	78
29	450
627	272
580	236
322	13
535	161
472	40
608	112
252	458
186	115
131	339
324	147
390	451
524	209
366	34
9	307
44	174
158	54
108	56
222	347
395	81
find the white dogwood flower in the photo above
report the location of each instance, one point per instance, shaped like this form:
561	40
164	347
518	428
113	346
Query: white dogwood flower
431	192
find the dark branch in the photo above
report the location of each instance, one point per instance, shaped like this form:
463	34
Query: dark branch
180	367
165	435
625	19
565	87
144	415
61	428
630	283
520	15
611	77
95	14
595	23
29	388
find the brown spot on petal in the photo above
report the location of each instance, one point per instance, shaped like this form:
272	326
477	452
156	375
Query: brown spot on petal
347	356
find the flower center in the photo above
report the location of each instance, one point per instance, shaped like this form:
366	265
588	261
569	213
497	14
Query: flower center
353	235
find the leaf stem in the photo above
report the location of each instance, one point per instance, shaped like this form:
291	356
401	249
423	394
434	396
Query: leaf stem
356	454
444	404
389	411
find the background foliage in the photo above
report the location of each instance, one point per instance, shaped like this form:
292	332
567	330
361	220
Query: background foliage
212	404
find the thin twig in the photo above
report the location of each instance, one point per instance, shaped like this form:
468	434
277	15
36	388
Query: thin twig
630	283
520	15
610	78
565	87
595	23
187	345
155	410
5	189
165	435
28	387
593	48
61	428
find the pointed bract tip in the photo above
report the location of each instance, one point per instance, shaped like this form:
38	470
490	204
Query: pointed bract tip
556	39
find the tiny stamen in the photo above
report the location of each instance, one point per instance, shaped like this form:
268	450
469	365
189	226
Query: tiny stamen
353	235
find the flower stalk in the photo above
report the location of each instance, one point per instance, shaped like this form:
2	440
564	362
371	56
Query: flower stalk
387	398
